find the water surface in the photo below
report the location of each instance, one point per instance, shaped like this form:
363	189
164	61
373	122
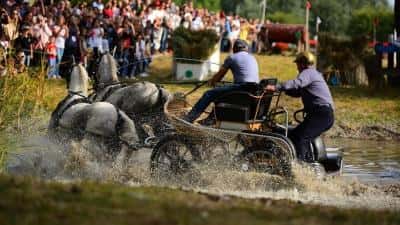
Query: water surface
370	161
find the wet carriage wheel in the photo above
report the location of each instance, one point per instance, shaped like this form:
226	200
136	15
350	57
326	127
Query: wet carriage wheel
271	161
173	156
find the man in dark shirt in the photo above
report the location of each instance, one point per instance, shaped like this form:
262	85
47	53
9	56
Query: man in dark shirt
317	101
24	43
244	68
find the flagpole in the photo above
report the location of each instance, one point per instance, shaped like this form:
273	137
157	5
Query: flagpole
395	53
264	7
307	34
317	39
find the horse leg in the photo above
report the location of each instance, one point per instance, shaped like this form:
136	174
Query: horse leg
122	159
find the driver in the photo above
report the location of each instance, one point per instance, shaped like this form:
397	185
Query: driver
244	68
317	100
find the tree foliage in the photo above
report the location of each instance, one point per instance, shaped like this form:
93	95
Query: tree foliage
397	14
336	15
287	18
362	22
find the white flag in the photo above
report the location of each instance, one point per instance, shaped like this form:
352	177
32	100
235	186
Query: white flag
319	21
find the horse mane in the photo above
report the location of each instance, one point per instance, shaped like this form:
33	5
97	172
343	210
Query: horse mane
107	69
79	80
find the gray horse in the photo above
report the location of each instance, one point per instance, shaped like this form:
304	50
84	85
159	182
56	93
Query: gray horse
142	101
76	117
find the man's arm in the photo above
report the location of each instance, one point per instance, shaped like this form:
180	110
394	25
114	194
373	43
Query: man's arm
301	81
292	87
218	76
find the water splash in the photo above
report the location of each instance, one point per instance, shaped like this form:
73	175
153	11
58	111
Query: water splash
81	160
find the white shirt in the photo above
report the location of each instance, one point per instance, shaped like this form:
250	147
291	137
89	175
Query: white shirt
96	40
140	49
60	39
100	6
197	24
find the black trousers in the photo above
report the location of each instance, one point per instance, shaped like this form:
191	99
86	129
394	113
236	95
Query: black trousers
317	121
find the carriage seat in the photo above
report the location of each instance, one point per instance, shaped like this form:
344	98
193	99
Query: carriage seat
241	106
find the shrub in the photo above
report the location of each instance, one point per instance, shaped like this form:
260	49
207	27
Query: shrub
195	45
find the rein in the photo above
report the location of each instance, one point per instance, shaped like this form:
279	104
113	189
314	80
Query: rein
79	93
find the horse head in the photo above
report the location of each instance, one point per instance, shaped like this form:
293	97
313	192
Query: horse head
79	82
107	70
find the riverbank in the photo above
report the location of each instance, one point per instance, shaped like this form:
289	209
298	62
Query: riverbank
30	201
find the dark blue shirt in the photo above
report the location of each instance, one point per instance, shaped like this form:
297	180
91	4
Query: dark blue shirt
243	66
311	87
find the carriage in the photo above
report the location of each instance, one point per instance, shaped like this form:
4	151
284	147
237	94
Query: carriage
247	127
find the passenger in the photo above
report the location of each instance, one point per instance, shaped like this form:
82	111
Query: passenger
245	70
317	100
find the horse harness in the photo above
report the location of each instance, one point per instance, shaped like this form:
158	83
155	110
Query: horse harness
110	89
65	104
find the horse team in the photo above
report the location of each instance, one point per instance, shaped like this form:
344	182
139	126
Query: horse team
120	117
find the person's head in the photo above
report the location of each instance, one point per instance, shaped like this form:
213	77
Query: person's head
52	39
240	45
304	60
139	37
25	30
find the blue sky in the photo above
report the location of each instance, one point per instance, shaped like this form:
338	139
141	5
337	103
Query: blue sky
391	2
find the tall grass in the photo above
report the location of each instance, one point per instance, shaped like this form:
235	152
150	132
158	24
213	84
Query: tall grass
21	96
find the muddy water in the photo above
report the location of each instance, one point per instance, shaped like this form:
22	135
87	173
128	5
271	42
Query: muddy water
370	161
366	165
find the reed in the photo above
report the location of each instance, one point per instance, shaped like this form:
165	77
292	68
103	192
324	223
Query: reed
21	95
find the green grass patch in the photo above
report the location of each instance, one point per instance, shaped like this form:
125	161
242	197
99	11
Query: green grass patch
29	201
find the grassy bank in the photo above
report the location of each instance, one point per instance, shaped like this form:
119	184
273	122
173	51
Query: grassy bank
28	201
27	95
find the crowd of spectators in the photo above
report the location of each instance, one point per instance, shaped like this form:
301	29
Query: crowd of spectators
133	30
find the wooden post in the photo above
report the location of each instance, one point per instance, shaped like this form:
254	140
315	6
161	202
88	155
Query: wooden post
317	39
307	36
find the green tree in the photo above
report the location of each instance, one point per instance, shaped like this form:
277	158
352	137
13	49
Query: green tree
362	22
249	9
397	15
230	6
286	18
336	15
214	5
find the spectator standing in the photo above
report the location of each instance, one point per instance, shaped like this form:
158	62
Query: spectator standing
96	36
51	51
61	33
72	51
157	32
44	32
142	56
24	43
164	36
